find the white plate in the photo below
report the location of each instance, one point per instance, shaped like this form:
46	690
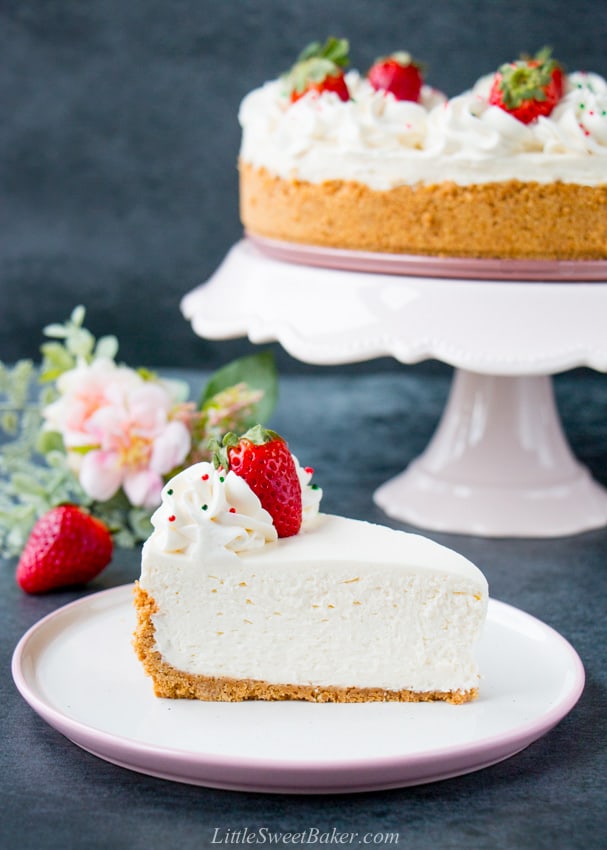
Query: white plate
77	670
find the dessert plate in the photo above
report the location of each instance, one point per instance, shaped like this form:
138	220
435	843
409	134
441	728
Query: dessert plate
468	268
77	670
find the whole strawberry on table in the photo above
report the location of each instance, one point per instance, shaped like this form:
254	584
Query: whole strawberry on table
67	547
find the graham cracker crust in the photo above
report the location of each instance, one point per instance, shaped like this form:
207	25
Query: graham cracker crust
171	683
510	220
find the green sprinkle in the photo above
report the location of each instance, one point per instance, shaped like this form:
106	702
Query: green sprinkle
169	492
204	507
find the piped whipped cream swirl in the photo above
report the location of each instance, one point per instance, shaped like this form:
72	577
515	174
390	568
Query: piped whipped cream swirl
381	142
469	124
205	511
310	138
311	494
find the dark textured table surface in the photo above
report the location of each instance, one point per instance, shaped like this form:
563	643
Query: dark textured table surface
357	430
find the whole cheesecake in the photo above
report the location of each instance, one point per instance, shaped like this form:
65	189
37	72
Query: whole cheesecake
514	168
340	611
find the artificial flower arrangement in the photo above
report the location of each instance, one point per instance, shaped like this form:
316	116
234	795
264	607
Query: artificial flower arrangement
86	452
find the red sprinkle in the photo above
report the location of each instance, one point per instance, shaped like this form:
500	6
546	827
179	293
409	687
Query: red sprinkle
205	477
232	510
172	518
309	470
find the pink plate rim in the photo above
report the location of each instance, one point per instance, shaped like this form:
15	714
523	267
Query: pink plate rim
460	268
288	776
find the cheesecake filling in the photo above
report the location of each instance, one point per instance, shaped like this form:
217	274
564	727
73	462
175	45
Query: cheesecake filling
344	603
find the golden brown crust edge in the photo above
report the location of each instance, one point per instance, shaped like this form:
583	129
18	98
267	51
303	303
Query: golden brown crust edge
175	684
509	220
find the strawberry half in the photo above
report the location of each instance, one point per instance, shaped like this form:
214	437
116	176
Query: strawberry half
66	547
529	87
319	68
398	74
263	459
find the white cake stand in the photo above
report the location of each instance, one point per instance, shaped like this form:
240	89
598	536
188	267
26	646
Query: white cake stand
499	463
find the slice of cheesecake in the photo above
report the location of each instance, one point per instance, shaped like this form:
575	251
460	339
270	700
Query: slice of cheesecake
343	611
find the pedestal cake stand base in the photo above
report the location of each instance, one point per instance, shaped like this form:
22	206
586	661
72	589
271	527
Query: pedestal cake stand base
497	465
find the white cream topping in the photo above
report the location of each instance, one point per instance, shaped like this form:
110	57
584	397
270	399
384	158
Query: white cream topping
205	510
311	494
383	143
342	603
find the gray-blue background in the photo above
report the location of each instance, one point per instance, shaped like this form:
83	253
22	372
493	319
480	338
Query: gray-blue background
119	138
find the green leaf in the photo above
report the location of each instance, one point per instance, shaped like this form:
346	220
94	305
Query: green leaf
56	360
140	523
81	343
55	330
26	485
258	372
78	314
334	49
146	374
49	441
107	346
9	422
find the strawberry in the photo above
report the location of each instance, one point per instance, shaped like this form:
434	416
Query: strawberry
529	87
398	74
263	459
319	68
66	547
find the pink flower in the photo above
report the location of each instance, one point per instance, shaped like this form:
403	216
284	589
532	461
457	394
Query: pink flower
119	430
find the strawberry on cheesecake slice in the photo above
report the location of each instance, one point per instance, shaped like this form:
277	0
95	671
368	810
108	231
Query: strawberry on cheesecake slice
339	611
263	459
